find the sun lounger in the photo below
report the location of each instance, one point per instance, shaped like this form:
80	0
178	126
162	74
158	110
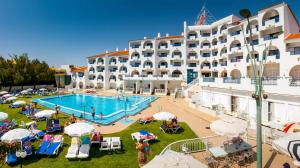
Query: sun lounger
45	144
96	138
146	136
73	149
115	143
56	125
105	144
145	120
84	150
165	129
55	145
11	158
175	129
35	131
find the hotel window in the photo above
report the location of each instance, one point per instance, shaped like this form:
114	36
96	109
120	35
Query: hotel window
192	45
192	65
276	18
270	111
177	44
163	55
206	55
235	33
177	64
214	53
205	34
295	51
271	36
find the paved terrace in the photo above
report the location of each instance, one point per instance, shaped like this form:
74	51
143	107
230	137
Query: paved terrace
198	121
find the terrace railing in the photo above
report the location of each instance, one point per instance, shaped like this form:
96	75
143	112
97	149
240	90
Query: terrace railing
267	81
208	79
194	145
231	80
294	82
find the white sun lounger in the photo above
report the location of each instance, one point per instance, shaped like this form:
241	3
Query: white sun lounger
84	151
105	144
115	143
73	149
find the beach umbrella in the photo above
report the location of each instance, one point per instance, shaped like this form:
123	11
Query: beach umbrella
44	113
289	145
11	98
3	116
7	96
15	135
43	89
172	159
24	92
79	129
163	116
19	102
230	128
3	92
29	89
291	127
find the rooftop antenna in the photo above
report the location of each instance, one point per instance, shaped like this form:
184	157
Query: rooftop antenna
204	17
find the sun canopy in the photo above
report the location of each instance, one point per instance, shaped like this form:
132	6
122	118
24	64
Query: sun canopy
79	129
24	92
19	102
15	135
3	116
11	98
163	116
3	92
289	145
228	127
43	89
7	96
44	113
172	159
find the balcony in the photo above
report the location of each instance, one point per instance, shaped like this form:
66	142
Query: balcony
235	49
177	57
272	58
205	47
163	47
163	66
123	71
192	37
148	66
270	22
294	82
205	55
112	80
148	47
223	63
192	57
232	80
208	79
113	63
267	80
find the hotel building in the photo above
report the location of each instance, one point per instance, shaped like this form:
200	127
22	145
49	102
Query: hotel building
211	63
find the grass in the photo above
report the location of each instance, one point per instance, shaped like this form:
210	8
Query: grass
127	157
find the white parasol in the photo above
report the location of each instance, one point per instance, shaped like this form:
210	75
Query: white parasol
79	129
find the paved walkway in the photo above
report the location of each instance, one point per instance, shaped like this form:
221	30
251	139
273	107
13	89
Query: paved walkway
198	122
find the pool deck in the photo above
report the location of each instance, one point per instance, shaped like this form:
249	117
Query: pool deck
198	121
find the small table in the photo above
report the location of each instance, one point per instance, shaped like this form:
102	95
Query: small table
235	148
218	152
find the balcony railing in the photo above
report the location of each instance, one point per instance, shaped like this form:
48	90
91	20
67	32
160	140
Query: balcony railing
208	79
267	81
231	80
294	82
295	52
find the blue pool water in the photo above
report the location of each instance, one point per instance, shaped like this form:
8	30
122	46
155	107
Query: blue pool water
112	108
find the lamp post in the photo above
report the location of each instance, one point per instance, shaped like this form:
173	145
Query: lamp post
258	78
21	155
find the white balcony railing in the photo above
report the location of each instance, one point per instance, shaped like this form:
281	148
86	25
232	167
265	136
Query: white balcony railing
176	57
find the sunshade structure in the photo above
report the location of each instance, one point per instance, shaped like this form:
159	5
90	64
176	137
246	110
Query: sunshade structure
228	127
19	102
44	114
163	116
289	145
291	128
79	129
3	116
43	89
15	135
171	159
7	96
3	93
29	89
24	92
11	98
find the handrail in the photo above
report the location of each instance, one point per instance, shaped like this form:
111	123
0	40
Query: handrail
189	145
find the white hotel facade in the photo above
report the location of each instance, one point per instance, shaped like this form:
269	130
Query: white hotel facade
214	60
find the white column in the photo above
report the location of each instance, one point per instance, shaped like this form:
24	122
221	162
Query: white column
166	87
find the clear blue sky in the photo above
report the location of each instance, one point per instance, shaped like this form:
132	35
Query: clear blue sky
67	31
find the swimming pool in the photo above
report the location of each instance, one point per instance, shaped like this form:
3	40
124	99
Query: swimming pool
111	107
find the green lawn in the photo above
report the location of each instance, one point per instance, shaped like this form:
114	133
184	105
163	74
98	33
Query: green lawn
123	159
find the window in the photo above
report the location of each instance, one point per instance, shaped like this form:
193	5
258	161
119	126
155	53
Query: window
192	45
295	51
214	53
235	33
163	55
177	44
206	55
177	64
271	36
192	65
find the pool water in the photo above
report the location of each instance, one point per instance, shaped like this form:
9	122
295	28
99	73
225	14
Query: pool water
112	108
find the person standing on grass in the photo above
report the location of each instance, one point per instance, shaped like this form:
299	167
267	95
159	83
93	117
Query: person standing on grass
56	110
93	112
142	149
